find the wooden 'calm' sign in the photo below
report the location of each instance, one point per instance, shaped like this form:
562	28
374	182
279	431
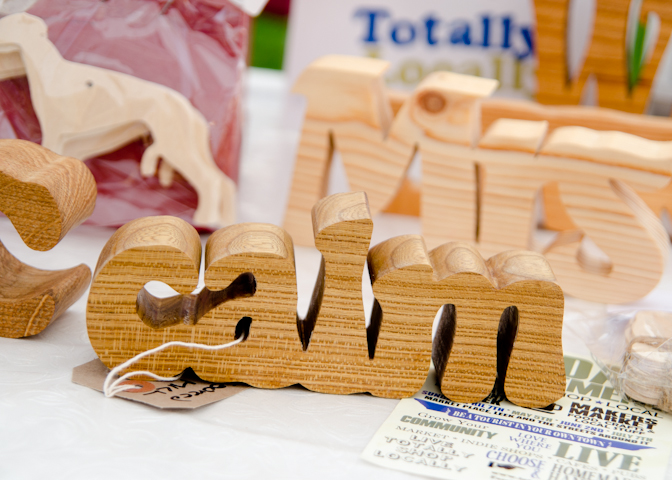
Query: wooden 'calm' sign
251	288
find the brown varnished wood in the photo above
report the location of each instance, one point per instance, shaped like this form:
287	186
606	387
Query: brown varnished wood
157	312
606	56
265	358
400	270
411	285
44	195
30	298
330	350
164	249
338	343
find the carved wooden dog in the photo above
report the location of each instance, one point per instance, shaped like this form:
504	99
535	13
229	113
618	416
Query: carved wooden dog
86	111
250	277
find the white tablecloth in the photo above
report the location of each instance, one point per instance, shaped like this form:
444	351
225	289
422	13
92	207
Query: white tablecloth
51	428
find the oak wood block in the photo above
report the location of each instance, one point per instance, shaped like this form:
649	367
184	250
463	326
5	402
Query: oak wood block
411	285
44	195
336	345
401	322
165	249
265	358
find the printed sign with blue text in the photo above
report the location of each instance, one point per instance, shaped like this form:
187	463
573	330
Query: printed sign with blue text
489	38
591	433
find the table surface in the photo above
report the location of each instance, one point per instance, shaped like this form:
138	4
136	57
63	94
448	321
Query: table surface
52	428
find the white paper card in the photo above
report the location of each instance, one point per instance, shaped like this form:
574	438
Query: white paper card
591	433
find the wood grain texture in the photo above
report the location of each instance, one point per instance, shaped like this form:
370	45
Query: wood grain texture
167	249
331	350
607	57
164	249
595	183
407	200
30	298
412	284
401	322
445	181
333	356
265	358
44	195
337	345
86	111
598	194
596	118
348	110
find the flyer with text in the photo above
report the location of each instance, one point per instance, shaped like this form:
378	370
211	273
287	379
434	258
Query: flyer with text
592	433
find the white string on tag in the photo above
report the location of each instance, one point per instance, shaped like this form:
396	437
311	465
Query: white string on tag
111	388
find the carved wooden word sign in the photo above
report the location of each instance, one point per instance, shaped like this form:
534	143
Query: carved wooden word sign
250	287
482	188
44	195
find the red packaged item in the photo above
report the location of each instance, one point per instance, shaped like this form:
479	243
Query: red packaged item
195	47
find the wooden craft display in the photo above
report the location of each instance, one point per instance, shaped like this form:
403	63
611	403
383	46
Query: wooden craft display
250	268
44	195
86	111
482	187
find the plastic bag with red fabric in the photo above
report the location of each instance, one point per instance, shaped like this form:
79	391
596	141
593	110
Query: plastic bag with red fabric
196	47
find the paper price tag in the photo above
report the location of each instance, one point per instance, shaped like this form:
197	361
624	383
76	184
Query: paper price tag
187	393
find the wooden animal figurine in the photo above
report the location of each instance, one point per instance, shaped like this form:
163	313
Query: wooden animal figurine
250	287
487	183
44	195
645	375
86	111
